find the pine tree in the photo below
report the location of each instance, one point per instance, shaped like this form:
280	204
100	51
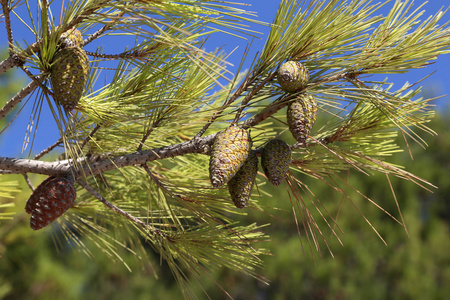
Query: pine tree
137	148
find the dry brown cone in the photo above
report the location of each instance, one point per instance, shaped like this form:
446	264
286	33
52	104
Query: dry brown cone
53	197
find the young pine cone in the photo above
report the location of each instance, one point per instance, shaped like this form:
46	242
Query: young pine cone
240	186
229	151
69	76
275	160
301	116
292	76
53	197
71	38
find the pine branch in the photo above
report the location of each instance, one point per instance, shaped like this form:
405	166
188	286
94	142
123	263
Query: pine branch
6	11
28	181
89	137
37	80
147	227
101	31
48	149
21	95
167	88
17	59
138	158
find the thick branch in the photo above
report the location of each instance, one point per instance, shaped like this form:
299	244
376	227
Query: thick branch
22	166
58	168
141	157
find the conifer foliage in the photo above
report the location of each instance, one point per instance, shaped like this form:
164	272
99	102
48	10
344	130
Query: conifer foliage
160	136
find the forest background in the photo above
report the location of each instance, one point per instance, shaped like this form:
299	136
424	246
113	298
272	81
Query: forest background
410	267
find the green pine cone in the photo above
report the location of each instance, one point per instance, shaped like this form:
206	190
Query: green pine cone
229	151
275	160
69	76
240	186
301	116
292	76
72	38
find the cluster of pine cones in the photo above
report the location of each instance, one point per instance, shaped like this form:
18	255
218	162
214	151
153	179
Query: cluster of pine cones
232	159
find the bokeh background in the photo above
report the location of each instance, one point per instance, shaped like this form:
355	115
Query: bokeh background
414	265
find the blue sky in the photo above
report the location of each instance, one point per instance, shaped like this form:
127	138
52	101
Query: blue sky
12	139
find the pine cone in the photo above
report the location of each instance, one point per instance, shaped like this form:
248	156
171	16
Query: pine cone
275	160
292	76
53	197
229	151
71	38
240	186
40	191
301	116
69	75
